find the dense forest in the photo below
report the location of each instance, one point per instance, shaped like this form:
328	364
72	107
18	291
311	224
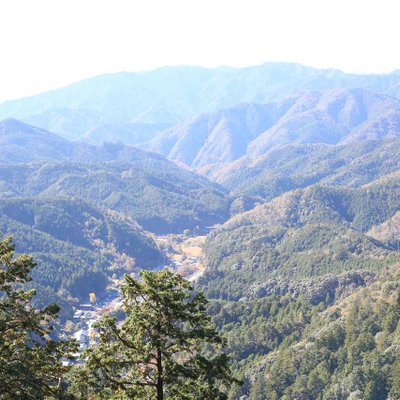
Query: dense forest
288	348
76	245
294	189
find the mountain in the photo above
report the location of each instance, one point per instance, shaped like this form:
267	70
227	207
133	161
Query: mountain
154	192
297	166
129	133
217	138
344	347
305	290
333	117
24	143
212	140
303	233
172	94
76	245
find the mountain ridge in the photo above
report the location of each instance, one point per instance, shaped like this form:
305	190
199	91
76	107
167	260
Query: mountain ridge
338	116
173	94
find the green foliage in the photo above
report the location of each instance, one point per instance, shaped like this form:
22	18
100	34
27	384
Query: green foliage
156	193
304	233
298	166
166	348
75	244
30	359
348	349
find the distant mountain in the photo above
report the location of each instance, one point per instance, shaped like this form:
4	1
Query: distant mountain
172	94
129	133
23	143
331	117
297	166
217	138
152	190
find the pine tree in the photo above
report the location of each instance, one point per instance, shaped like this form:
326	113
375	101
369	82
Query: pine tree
166	348
30	360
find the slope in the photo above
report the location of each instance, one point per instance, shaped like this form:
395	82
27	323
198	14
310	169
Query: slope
156	193
172	94
298	166
303	233
331	117
76	245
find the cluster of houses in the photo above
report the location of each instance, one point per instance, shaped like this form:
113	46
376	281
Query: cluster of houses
85	316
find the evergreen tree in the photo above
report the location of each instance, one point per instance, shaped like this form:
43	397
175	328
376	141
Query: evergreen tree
166	348
30	360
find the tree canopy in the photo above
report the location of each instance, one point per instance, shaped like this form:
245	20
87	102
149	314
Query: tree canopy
166	348
30	359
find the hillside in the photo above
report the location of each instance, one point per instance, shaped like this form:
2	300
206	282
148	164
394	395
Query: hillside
76	245
303	233
330	117
217	138
298	166
172	94
301	288
24	143
343	347
154	192
21	143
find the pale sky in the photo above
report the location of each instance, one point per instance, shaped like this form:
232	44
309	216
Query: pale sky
46	44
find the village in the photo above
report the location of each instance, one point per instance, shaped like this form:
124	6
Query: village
183	253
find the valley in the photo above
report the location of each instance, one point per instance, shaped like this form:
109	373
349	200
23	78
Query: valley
182	254
274	190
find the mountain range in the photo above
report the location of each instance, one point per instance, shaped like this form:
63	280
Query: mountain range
292	172
158	194
212	140
171	95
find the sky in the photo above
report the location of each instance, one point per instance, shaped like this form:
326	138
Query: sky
47	44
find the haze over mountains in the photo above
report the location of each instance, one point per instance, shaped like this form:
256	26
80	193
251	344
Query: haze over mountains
293	172
331	117
172	94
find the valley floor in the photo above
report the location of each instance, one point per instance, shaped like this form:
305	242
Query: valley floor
183	254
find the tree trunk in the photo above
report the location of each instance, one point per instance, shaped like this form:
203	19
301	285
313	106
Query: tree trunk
160	383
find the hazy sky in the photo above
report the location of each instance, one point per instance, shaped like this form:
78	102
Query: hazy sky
50	43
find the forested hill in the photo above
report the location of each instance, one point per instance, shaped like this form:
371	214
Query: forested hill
303	233
158	195
76	245
172	94
150	189
297	166
291	287
24	143
330	117
347	348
